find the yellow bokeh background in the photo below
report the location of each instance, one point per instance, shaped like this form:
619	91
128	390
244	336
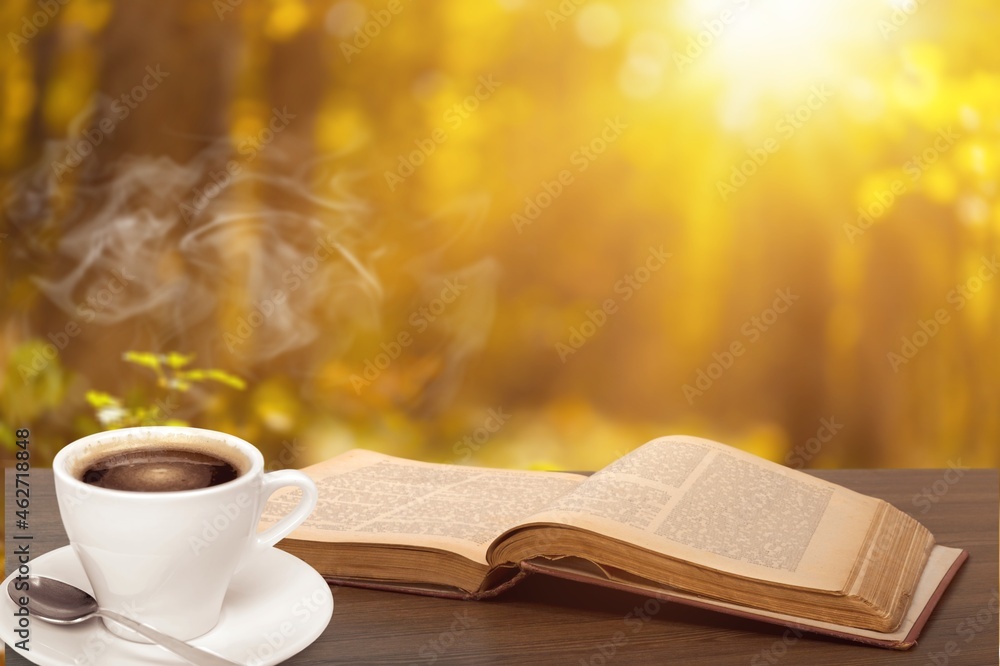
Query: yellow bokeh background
537	153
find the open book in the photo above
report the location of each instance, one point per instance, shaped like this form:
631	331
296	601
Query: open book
681	518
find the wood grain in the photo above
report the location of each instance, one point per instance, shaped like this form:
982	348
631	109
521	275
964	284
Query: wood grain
549	621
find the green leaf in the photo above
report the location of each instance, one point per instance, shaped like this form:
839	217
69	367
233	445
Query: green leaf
99	400
143	358
221	376
224	377
7	437
176	360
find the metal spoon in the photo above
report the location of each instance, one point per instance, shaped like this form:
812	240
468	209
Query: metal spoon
61	603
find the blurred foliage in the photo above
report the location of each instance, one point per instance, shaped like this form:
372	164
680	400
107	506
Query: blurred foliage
172	376
424	138
34	386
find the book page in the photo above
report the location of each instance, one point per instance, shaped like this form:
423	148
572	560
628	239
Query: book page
367	497
722	508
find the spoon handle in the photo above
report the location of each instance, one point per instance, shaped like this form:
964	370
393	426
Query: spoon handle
194	655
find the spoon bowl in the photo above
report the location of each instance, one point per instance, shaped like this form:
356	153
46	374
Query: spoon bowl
57	602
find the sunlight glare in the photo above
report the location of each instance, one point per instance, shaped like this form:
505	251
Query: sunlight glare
772	50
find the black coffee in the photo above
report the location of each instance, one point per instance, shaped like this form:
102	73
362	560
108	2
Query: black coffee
159	470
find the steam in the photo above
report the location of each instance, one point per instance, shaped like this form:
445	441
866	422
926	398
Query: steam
463	328
281	259
177	272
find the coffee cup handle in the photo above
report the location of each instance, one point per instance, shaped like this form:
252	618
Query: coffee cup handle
274	481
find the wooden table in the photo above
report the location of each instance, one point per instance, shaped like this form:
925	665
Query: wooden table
549	621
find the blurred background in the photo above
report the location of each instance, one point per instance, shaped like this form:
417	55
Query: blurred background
505	233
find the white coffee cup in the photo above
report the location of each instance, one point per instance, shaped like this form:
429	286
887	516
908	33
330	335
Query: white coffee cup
167	558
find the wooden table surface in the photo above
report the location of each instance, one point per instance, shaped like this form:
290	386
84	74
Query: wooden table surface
549	621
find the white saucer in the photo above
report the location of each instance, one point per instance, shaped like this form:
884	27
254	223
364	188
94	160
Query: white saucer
276	606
